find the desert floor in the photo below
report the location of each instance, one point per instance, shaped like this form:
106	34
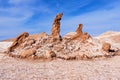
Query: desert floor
22	69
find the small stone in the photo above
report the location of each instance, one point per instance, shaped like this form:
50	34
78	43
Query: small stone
50	54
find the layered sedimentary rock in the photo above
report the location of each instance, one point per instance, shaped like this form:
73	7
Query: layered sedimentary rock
78	35
27	53
55	32
106	47
76	45
38	36
79	29
56	25
18	41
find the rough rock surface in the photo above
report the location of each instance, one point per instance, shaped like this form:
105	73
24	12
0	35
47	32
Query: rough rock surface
18	41
56	25
106	47
78	35
76	46
38	36
27	53
79	29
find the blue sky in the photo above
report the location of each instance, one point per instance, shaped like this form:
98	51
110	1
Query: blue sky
36	16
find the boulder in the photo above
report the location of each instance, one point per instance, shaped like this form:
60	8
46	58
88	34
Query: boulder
27	53
84	57
50	54
106	47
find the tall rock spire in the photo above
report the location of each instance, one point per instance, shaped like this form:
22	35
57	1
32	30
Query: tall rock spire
56	25
79	29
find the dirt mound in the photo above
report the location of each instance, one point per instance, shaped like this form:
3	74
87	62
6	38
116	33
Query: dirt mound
77	45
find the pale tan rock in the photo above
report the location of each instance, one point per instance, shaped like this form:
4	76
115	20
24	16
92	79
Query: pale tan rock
38	36
106	47
75	45
18	41
27	53
85	36
69	35
79	29
56	25
28	42
84	57
50	54
80	35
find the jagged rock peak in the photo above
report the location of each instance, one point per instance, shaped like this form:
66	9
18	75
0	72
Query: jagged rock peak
56	25
18	41
79	29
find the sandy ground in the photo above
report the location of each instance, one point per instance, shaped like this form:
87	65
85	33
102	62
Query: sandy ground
21	69
4	46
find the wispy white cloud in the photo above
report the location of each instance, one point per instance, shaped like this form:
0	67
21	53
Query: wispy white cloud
30	5
19	2
95	22
15	19
73	5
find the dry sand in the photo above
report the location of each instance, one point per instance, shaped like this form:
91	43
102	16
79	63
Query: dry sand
21	69
4	46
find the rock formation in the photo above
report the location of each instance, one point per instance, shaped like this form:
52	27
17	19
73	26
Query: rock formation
18	41
38	36
106	47
77	45
85	36
80	35
50	54
79	29
27	53
56	25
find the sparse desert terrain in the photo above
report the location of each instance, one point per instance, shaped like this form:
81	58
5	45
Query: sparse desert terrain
75	56
17	69
25	69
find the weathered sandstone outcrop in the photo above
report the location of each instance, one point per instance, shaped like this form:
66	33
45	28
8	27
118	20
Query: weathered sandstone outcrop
78	35
76	45
18	41
106	47
56	25
27	53
38	36
79	29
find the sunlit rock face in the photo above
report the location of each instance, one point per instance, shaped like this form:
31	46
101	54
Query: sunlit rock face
74	45
56	25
